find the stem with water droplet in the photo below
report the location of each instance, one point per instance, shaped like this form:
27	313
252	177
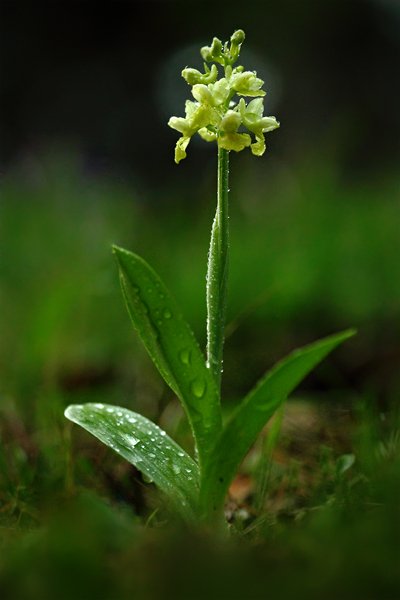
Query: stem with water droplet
217	272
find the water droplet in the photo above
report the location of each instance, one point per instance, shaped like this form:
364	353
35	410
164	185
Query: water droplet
163	433
181	454
110	410
132	440
167	313
152	455
184	356
99	405
176	469
188	470
198	387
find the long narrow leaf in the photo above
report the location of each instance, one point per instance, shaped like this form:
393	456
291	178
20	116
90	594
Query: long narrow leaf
172	346
253	413
145	446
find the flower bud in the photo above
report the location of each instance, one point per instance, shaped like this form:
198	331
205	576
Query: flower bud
210	75
237	37
192	76
216	48
205	52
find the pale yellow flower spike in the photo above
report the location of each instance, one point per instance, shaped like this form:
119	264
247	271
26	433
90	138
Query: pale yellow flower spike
214	114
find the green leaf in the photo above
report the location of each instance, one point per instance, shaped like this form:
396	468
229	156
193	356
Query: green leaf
145	446
252	414
172	347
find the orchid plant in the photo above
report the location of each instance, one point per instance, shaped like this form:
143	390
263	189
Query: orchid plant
196	486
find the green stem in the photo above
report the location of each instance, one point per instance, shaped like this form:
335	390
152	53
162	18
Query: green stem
217	272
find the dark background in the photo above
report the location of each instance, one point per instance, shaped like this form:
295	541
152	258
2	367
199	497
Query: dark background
99	76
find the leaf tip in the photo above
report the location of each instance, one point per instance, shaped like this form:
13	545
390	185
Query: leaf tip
348	333
116	250
71	412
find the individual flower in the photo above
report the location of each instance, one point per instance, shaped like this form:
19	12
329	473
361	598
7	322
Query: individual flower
229	138
220	91
254	121
197	116
247	84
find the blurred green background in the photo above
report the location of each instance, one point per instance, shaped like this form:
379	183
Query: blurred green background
86	160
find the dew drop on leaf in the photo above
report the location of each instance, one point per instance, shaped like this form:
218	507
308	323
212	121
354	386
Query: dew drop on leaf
176	469
184	356
132	440
198	387
167	313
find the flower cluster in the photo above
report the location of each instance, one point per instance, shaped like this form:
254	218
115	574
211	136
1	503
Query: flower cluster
214	114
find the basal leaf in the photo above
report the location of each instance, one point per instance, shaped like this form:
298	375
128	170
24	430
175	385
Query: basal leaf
172	346
253	413
147	447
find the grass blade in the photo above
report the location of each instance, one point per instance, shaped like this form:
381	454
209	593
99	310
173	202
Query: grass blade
147	447
172	347
254	412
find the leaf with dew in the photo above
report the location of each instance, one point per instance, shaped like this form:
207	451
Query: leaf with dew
147	447
253	413
172	347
